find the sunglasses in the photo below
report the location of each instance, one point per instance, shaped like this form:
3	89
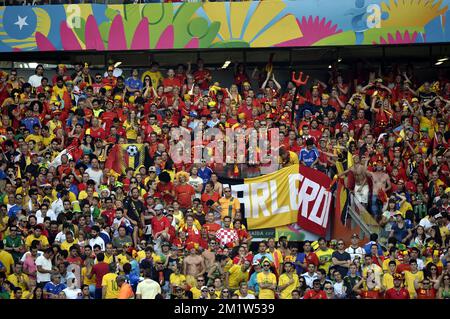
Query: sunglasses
328	288
266	265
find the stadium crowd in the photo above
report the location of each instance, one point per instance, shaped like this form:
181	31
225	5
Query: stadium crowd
72	227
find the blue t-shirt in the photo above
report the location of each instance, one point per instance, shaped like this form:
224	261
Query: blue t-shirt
253	283
205	174
54	289
12	212
308	156
300	258
29	122
401	233
133	83
368	247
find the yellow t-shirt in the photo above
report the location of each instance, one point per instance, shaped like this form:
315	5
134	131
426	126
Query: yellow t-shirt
445	232
228	265
387	281
130	131
263	278
236	276
86	280
228	204
112	289
196	293
42	239
108	259
428	124
177	280
36	138
155	77
66	245
386	264
47	140
325	255
15	281
283	280
409	282
122	259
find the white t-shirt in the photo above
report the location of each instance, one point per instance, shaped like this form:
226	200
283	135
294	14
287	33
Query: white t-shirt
50	213
61	237
339	289
73	293
57	206
97	241
148	289
194	182
95	175
354	252
46	265
425	223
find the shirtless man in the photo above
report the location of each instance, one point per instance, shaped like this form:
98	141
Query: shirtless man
359	170
381	183
193	264
209	255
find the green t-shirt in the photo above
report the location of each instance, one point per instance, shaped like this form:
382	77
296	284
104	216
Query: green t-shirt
14	243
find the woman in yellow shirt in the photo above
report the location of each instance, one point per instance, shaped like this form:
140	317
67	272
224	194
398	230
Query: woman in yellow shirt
131	126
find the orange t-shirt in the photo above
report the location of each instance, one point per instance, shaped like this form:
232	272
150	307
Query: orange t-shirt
126	292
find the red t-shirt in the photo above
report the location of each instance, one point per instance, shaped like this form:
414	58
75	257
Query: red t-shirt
312	294
160	188
426	293
370	294
311	258
110	214
211	227
184	195
393	293
159	224
202	75
172	82
99	270
205	197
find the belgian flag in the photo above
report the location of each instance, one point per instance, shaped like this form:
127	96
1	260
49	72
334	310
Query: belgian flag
123	156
